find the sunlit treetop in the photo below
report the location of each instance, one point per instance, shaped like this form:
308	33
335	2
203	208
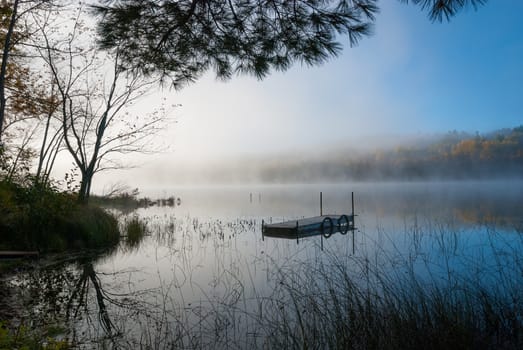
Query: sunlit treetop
181	39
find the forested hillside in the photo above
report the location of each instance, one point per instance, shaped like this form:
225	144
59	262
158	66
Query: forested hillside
455	155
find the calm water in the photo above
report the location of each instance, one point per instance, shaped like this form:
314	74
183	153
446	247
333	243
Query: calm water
204	268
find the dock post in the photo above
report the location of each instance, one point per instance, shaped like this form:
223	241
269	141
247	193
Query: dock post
321	203
353	245
297	235
352	200
263	230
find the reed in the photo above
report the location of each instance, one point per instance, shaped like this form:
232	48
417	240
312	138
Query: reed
373	303
430	286
135	229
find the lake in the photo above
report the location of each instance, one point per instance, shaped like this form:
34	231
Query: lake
205	277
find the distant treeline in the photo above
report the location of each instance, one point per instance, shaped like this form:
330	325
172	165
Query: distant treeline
455	155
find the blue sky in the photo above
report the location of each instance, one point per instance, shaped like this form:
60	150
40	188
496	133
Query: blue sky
475	80
412	77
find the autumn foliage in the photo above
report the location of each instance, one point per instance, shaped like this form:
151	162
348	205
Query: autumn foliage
453	156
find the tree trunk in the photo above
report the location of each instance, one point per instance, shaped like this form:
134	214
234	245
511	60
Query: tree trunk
41	158
85	187
87	175
3	68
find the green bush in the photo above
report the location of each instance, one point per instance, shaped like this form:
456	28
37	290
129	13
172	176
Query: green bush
92	226
39	217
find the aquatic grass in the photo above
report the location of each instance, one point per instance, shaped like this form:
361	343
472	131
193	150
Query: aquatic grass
365	302
135	229
429	286
449	291
445	291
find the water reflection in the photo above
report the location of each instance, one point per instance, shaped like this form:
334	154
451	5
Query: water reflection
72	292
76	305
204	278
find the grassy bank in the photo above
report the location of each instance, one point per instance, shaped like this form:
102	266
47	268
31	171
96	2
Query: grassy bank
41	218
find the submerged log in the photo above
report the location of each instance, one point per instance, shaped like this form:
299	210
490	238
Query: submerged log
13	254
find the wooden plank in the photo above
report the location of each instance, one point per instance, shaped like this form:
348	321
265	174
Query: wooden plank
18	254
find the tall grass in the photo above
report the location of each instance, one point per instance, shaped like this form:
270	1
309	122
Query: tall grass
135	230
439	290
432	287
389	302
329	309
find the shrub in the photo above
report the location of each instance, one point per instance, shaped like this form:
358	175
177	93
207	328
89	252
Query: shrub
39	217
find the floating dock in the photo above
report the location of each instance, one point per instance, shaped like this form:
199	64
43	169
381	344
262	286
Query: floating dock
324	225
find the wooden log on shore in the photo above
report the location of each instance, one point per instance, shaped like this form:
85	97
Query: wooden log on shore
14	254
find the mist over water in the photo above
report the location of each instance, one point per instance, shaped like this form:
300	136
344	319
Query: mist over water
496	155
487	200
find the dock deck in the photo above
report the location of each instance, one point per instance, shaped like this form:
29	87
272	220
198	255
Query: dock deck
324	225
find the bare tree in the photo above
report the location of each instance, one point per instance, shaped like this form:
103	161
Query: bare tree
95	94
52	139
16	81
27	100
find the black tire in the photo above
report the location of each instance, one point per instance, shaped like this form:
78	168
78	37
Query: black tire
327	229
343	229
